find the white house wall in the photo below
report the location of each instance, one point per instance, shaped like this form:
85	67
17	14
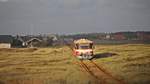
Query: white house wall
5	45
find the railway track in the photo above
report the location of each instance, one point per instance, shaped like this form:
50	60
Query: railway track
99	73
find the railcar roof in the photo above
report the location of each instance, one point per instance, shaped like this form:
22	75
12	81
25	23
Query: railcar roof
83	41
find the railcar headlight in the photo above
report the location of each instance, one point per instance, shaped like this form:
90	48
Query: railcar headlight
91	52
77	52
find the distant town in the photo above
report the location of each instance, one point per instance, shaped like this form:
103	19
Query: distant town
49	40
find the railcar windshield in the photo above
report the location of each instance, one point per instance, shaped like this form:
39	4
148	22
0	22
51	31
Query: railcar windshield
84	46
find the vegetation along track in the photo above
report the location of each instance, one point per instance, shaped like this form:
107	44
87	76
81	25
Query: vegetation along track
97	72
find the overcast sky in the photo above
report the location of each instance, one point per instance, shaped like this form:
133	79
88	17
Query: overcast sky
73	16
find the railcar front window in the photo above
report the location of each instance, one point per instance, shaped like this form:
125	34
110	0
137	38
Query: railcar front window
84	47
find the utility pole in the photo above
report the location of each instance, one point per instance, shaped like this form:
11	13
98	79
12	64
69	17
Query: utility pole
31	29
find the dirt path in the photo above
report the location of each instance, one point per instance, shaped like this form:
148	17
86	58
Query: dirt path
102	76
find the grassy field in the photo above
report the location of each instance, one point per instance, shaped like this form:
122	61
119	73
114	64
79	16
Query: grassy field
130	62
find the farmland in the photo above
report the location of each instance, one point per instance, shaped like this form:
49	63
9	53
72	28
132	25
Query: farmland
129	62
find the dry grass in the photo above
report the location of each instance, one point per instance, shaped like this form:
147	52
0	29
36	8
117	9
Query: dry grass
46	65
58	66
131	62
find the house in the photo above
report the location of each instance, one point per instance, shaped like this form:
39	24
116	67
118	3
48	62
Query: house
30	41
108	36
118	36
38	40
6	41
33	42
143	36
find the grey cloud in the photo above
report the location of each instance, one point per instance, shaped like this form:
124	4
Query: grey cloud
3	0
71	16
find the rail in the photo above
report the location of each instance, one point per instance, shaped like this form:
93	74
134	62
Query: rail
97	72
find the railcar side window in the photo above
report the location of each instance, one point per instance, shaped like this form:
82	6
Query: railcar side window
91	45
77	46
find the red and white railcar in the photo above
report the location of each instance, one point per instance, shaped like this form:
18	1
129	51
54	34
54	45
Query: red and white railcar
83	49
